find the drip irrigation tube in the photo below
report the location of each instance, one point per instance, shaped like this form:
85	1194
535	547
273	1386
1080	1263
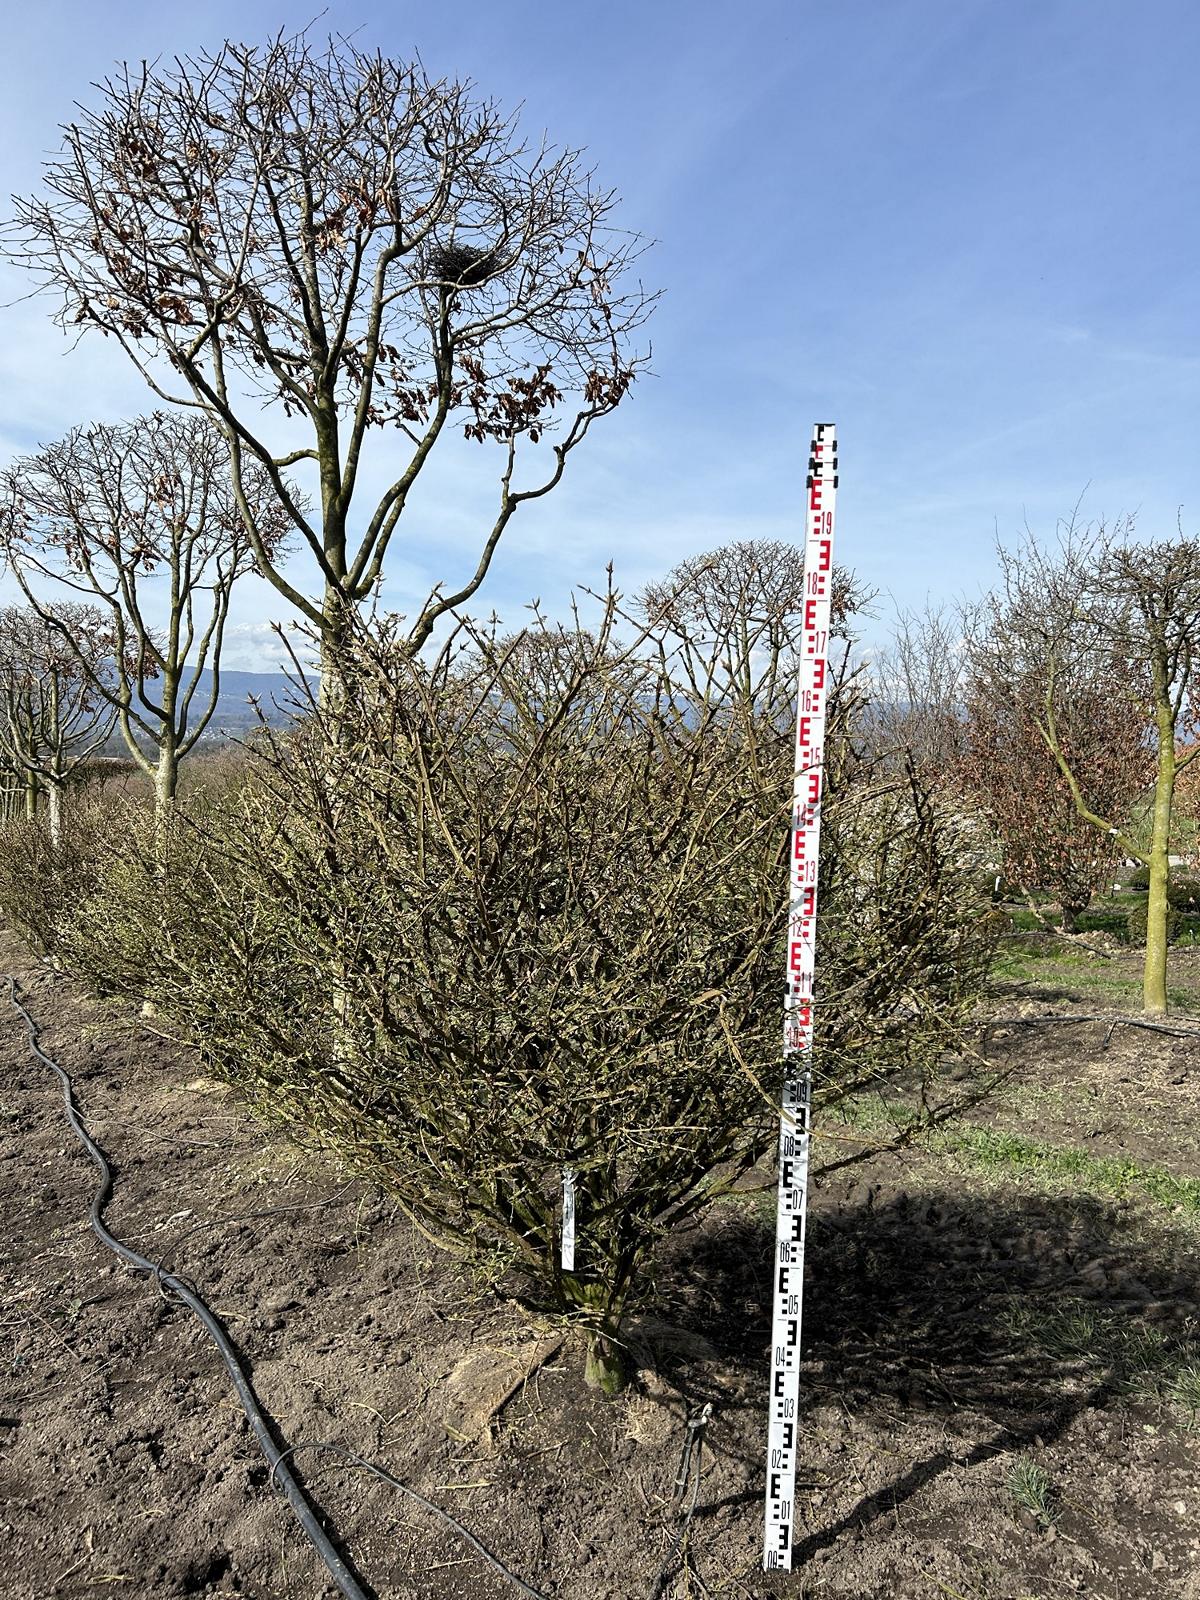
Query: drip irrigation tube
281	1473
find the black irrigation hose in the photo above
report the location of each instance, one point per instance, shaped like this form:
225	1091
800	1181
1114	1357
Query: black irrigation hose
168	1281
386	1477
281	1473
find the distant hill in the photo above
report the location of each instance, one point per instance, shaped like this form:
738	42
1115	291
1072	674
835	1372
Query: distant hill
235	715
274	692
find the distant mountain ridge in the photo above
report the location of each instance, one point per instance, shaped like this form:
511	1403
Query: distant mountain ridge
275	693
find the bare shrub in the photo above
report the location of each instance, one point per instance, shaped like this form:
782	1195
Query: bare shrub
44	885
549	874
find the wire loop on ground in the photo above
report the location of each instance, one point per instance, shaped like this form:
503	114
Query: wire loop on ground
691	1470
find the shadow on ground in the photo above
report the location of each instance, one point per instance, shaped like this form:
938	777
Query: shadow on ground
1021	1311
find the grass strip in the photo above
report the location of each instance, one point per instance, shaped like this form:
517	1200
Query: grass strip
1080	971
995	1150
1149	1363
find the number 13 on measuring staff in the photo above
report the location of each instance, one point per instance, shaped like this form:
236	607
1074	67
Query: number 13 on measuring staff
796	1111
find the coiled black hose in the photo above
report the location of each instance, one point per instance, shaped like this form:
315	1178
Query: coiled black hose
277	1459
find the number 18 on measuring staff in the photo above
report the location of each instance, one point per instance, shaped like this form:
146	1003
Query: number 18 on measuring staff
796	1111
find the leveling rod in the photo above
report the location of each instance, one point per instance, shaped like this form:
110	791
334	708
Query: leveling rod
796	1112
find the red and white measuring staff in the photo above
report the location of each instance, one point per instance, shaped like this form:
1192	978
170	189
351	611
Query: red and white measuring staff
796	1113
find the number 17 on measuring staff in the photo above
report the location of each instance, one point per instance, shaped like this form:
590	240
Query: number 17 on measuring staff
796	1109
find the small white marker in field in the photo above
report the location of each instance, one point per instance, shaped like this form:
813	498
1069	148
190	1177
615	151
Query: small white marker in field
568	1220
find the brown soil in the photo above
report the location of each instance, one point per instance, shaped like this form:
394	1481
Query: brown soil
127	1467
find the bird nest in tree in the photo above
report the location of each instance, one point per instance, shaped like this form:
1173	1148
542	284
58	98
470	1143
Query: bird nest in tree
461	264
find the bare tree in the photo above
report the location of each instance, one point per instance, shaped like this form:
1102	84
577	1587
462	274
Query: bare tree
916	713
54	718
1101	608
141	518
16	789
333	235
1006	766
747	600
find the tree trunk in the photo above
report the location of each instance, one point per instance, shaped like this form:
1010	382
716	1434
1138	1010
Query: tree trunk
54	795
31	792
1154	974
332	697
166	782
1071	911
605	1366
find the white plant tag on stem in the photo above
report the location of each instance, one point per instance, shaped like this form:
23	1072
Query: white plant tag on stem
568	1219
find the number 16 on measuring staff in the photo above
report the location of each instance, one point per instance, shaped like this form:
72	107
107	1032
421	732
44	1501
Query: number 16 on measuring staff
796	1109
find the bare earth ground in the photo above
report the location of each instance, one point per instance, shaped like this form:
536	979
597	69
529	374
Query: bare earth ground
1000	1393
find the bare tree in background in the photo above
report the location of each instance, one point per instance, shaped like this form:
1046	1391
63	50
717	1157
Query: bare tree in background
1008	769
747	598
140	518
324	233
53	718
916	714
1102	609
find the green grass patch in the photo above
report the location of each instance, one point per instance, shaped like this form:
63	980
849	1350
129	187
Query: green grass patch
1032	1101
1003	1154
1107	915
871	1114
1011	1154
1024	920
1076	969
1031	1489
1147	1362
1107	919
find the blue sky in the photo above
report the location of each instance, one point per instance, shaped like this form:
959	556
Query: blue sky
963	230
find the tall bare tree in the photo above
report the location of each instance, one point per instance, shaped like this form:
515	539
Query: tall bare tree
334	236
140	518
1103	609
917	707
54	717
746	599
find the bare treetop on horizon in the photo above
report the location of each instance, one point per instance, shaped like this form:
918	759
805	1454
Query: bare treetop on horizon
749	595
141	517
323	230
